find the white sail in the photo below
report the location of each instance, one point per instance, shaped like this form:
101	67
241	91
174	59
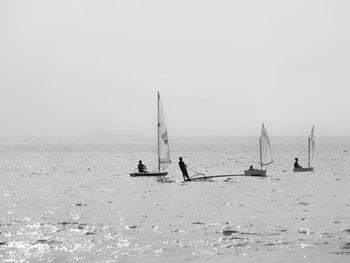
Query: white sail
311	145
265	148
163	142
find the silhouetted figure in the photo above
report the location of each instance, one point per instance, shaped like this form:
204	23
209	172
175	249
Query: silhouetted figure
251	167
183	169
142	168
296	164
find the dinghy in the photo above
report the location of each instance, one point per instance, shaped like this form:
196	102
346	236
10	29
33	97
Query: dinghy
310	153
265	155
163	146
208	177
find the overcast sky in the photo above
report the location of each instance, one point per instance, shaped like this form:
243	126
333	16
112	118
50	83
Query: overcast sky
75	68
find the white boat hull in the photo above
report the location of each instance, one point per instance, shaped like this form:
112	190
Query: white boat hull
149	174
207	177
306	169
255	172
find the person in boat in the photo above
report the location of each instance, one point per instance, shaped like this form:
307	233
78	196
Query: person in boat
251	170
296	164
183	168
142	168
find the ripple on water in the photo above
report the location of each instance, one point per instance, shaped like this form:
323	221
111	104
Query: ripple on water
165	180
197	223
347	230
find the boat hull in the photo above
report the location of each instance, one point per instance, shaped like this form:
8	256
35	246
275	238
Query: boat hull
212	176
302	169
149	174
255	172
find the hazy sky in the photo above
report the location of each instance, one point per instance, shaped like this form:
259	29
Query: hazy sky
222	67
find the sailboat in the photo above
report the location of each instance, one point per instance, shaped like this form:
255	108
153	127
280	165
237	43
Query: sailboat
163	145
265	155
310	153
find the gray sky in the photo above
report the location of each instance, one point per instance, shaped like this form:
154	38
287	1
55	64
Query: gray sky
73	68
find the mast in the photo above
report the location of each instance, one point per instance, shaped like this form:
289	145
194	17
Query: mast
309	150
158	125
260	146
261	164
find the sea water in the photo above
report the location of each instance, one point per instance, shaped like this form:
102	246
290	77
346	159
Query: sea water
74	201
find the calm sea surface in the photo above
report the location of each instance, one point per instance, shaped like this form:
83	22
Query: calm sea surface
74	201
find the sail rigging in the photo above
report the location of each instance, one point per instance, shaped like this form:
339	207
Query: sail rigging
311	146
163	142
265	148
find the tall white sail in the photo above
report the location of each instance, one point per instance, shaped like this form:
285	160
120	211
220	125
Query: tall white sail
265	148
311	145
163	142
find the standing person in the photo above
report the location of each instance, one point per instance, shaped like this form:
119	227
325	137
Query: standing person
183	167
296	164
142	168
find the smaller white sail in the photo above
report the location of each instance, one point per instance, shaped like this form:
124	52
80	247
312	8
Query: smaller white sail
163	141
265	148
311	145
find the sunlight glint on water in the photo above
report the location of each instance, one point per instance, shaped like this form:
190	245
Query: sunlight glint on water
74	201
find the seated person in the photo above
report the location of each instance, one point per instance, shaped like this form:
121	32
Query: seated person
141	167
250	171
296	164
